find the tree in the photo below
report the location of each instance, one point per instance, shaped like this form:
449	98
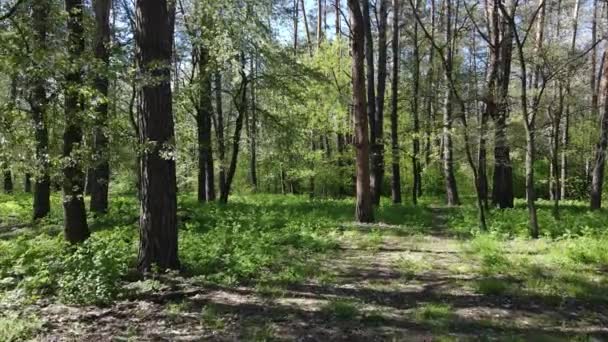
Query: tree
597	175
396	180
377	148
364	208
100	179
155	23
75	217
39	104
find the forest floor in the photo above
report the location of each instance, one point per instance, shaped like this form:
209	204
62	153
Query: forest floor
382	282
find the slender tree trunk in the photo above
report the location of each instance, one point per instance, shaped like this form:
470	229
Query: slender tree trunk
377	146
206	180
597	173
236	139
296	19
308	40
566	128
253	160
219	132
364	209
42	185
430	104
155	23
100	179
75	217
319	23
451	188
416	166
396	180
592	83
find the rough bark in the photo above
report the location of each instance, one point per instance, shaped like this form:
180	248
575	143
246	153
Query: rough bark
100	179
204	112
236	138
396	180
377	145
502	179
597	173
375	181
218	122
451	189
158	246
38	104
364	207
75	219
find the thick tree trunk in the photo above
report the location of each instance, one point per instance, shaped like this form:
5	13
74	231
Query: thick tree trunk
100	179
8	181
364	208
597	173
396	180
27	185
42	185
451	189
75	217
204	112
155	22
377	145
502	190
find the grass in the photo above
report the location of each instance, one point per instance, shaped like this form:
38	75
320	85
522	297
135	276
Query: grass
15	328
341	309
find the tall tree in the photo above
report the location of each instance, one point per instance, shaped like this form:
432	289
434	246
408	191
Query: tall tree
378	143
451	189
396	180
597	174
364	208
100	179
75	217
155	23
39	104
204	112
416	165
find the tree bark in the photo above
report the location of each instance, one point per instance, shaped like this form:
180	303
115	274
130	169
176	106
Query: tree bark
502	179
253	173
8	181
451	188
75	219
158	246
27	186
236	139
100	179
396	180
219	132
364	208
597	173
204	112
38	104
416	166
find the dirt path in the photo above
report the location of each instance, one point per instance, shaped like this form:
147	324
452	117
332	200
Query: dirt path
380	285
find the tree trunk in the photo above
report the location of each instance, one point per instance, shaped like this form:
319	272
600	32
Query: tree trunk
593	80
75	217
100	179
502	179
204	111
296	18
451	188
377	146
27	186
155	23
236	139
597	174
375	180
416	166
319	23
396	180
430	96
218	122
8	181
308	40
364	209
253	174
42	185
